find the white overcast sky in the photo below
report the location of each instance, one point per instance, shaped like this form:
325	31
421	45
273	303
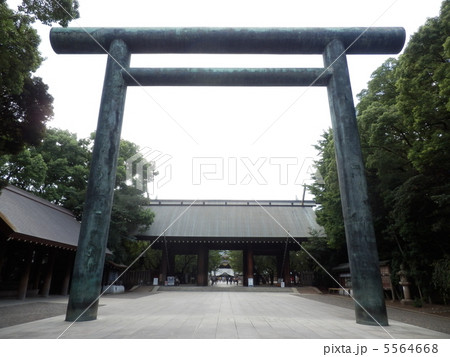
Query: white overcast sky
224	143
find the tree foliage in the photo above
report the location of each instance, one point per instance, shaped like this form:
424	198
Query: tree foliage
236	260
141	255
441	276
25	104
56	170
404	122
127	216
50	11
215	259
265	268
326	193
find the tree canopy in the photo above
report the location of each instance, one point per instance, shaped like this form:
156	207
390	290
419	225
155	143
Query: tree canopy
25	104
50	11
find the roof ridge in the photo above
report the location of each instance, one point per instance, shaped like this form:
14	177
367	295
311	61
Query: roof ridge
230	202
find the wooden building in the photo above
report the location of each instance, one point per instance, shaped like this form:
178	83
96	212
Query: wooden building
257	228
38	241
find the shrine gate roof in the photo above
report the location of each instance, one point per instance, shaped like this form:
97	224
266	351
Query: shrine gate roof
222	219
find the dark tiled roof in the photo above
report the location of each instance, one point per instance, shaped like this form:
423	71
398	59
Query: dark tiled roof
232	219
28	217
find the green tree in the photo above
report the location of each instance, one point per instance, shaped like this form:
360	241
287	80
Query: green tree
236	260
25	104
67	159
317	249
141	255
25	170
185	264
56	170
128	217
50	11
327	196
441	277
421	206
214	259
386	140
423	98
265	266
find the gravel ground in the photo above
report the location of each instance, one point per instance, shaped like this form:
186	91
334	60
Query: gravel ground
433	317
22	313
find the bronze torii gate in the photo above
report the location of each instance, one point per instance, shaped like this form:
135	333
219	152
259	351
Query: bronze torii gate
333	43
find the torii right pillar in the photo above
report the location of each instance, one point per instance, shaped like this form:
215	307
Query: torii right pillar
370	308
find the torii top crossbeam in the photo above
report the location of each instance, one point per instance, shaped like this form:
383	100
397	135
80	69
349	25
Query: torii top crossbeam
356	40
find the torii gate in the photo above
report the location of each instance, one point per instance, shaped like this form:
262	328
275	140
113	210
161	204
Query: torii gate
333	43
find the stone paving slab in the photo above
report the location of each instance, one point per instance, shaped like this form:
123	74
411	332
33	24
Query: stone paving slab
216	315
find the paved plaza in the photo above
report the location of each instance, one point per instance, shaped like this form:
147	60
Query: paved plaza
219	314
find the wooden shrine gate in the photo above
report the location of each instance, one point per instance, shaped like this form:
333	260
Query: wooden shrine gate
230	225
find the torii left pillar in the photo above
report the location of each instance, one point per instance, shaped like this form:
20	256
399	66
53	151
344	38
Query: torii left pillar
88	268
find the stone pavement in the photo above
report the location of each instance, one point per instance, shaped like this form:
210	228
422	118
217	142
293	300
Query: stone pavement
250	313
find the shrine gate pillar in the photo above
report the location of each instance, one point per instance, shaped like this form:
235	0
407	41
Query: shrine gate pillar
164	265
171	267
370	307
286	269
248	264
90	257
202	266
